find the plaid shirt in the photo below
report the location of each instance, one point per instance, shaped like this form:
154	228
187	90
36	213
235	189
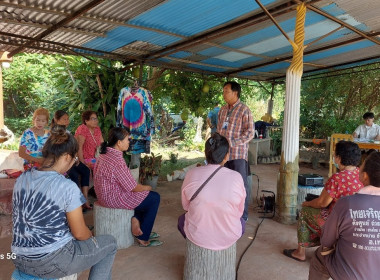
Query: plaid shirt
114	183
240	129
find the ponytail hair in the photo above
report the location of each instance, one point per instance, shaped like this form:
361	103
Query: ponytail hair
60	142
103	147
115	134
216	148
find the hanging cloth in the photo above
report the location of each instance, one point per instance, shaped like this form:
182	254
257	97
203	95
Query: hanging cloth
135	113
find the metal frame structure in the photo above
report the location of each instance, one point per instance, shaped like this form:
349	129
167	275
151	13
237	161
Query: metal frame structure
70	28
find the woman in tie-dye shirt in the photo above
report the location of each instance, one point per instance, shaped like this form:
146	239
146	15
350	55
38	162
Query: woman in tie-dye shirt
50	236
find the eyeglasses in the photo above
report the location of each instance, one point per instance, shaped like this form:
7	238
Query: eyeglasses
94	118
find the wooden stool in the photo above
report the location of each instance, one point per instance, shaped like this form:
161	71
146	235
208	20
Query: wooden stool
201	263
116	222
19	275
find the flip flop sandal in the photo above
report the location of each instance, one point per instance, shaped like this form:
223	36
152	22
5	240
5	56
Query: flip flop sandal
288	253
152	243
153	235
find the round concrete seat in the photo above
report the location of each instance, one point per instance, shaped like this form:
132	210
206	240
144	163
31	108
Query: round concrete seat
116	222
19	275
201	263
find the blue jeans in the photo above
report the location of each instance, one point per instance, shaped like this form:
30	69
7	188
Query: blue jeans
95	253
241	166
146	214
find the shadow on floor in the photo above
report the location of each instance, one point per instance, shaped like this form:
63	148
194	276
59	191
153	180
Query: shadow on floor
262	260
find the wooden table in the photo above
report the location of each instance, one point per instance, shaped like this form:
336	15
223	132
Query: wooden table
368	145
363	146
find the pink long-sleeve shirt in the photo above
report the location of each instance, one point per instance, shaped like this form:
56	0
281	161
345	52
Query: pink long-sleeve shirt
213	217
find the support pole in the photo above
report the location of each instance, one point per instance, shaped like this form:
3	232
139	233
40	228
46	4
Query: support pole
3	58
270	102
1	99
287	185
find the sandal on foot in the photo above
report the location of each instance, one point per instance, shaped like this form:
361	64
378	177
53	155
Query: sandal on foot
153	235
288	253
152	243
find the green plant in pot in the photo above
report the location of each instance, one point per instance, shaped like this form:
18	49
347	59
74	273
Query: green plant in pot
150	166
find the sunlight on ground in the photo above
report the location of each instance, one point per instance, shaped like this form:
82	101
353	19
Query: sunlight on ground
184	159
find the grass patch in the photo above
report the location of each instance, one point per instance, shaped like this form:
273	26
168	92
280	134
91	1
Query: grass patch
168	166
184	158
12	146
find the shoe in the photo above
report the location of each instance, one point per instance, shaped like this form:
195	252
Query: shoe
152	243
288	253
153	235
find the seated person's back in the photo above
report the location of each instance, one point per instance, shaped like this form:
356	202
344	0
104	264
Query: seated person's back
213	217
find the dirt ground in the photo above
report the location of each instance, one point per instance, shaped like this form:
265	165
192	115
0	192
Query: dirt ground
263	258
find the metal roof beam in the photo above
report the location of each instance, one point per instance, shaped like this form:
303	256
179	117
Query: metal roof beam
273	20
223	31
60	24
345	63
277	60
107	21
111	21
348	26
108	54
333	66
47	26
226	30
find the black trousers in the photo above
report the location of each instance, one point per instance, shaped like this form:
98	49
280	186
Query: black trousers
80	170
242	166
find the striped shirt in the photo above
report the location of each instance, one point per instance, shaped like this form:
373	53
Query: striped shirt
114	183
240	128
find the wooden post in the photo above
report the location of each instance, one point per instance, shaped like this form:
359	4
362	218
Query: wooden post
287	185
1	98
3	58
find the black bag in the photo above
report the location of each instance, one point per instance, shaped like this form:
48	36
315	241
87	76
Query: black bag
261	128
311	196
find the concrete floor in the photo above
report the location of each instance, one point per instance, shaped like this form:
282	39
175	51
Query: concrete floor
262	260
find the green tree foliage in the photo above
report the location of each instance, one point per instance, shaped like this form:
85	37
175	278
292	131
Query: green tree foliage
257	95
86	85
27	85
178	91
337	103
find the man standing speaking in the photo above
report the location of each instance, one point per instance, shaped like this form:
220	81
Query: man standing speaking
235	122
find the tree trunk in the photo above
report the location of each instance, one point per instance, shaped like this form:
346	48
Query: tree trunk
198	135
101	94
156	73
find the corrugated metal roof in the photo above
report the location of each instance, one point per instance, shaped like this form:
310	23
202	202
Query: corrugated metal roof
221	37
